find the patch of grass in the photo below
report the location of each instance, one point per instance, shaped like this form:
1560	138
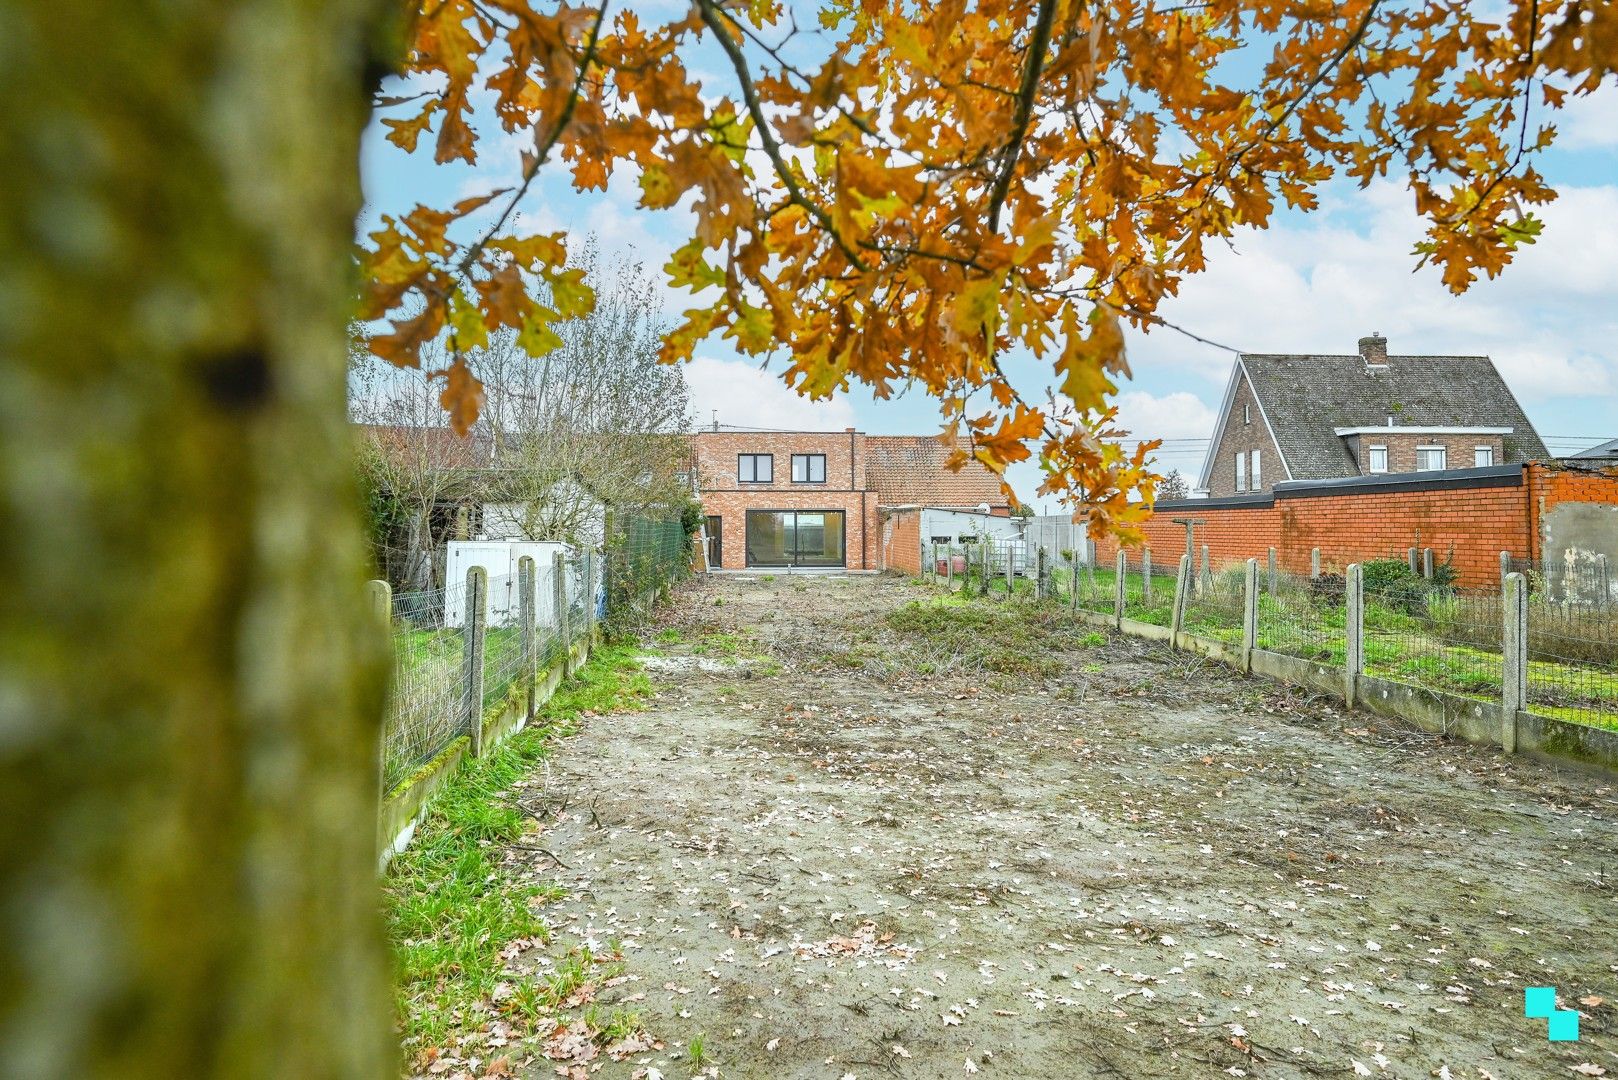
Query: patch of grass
1009	639
696	1051
1093	640
725	645
669	636
449	906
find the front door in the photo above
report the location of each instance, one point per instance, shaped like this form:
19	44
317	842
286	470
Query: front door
716	541
796	538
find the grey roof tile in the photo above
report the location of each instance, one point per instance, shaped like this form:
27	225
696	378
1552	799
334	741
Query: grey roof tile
1306	398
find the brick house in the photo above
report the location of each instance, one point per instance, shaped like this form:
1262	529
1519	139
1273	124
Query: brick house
1313	417
813	499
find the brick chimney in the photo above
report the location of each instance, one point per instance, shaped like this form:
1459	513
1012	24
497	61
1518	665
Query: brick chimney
1374	349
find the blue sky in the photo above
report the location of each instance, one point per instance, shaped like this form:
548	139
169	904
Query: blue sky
1310	283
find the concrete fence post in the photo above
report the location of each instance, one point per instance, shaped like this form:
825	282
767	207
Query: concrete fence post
1415	560
1205	580
1250	615
949	567
1011	567
590	597
527	618
1353	633
1120	577
1427	563
1514	648
1274	573
1314	563
379	595
477	616
1039	573
1073	580
1182	594
559	602
1146	575
1505	567
988	566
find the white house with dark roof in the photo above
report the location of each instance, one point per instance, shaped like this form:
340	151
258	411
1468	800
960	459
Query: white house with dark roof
1321	417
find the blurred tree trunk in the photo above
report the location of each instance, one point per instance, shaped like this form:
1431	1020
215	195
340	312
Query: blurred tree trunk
189	681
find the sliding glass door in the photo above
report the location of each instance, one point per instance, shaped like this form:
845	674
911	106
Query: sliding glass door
795	538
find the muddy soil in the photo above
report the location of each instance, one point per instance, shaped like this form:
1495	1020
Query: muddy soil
830	849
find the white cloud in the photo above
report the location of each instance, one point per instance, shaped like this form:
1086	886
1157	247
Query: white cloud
747	396
1317	285
1179	415
1588	121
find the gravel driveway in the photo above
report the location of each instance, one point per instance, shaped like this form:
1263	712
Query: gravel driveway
855	838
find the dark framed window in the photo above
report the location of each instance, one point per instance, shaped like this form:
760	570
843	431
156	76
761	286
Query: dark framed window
808	468
796	538
755	468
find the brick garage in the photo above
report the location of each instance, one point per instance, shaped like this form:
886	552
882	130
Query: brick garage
1470	516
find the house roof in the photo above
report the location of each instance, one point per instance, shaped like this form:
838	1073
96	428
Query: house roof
912	469
436	443
1306	398
1599	452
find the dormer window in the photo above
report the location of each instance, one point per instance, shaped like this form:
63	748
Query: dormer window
1376	460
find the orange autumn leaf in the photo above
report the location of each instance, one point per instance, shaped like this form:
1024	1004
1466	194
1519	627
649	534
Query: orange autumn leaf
945	189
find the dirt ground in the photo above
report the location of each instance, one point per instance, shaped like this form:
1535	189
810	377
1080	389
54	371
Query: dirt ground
833	848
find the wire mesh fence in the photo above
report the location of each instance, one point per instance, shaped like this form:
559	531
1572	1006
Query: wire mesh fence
643	556
1304	617
1437	637
429	703
1419	627
1216	604
425	709
1573	643
1585	583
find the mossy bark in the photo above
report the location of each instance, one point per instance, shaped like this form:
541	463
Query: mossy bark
190	681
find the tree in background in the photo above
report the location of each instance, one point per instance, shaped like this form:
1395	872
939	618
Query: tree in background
1173	486
599	423
596	423
918	196
417	474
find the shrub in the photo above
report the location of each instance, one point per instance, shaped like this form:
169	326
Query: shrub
1395	585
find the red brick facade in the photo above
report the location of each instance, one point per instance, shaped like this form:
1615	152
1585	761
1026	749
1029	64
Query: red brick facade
1470	521
901	542
862	473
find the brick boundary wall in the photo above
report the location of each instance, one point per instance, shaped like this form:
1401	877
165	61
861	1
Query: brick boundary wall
1467	515
901	542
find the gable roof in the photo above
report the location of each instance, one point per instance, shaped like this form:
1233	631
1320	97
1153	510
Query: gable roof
1306	398
1599	452
912	470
